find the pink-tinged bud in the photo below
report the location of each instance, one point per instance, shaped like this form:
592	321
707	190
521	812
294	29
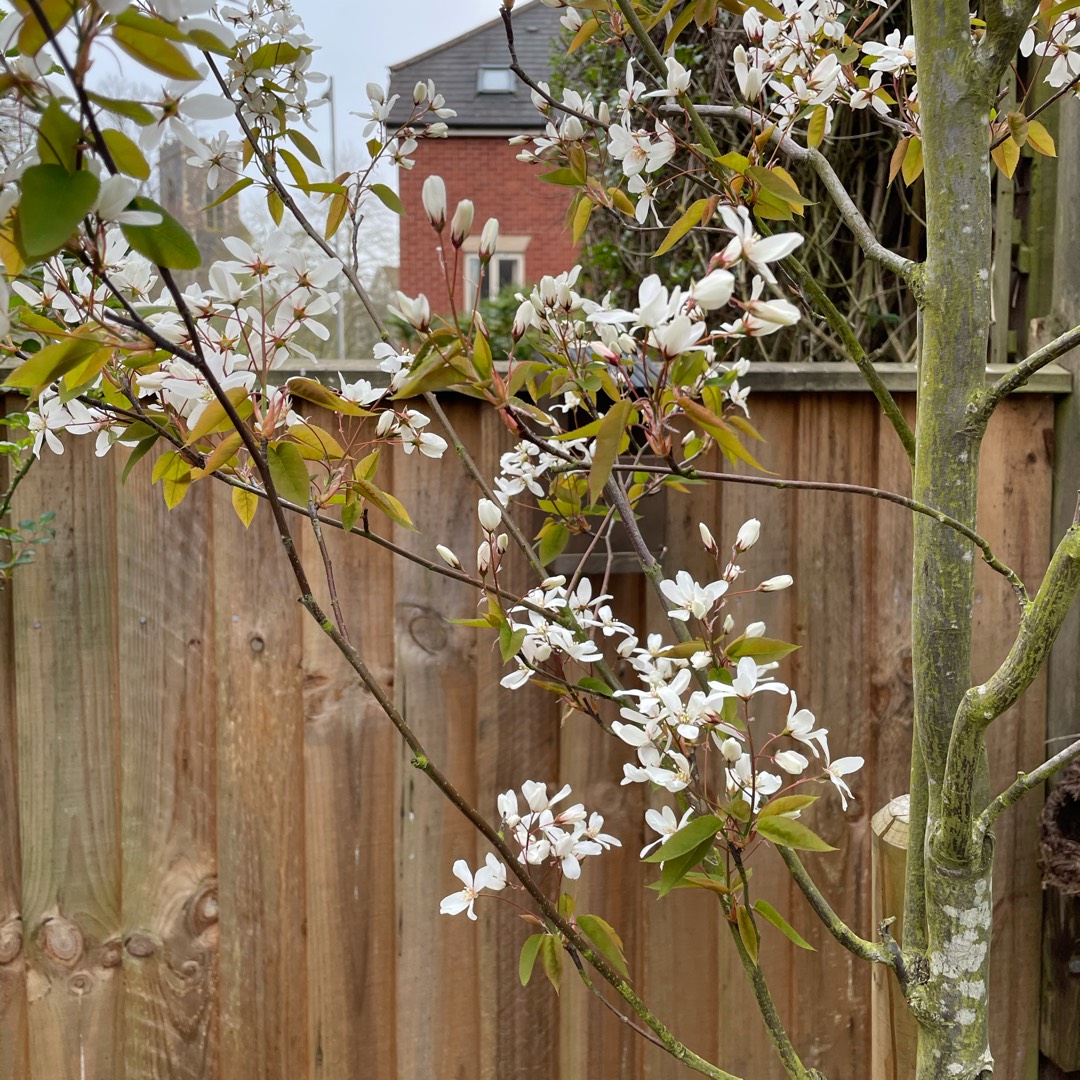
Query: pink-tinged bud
489	238
483	558
462	222
502	542
523	319
748	535
775	584
706	537
416	312
448	556
433	195
489	514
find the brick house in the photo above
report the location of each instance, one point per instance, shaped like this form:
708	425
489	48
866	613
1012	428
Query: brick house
477	163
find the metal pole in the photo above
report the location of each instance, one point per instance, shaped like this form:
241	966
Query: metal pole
337	245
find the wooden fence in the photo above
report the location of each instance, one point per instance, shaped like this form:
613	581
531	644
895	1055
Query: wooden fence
216	860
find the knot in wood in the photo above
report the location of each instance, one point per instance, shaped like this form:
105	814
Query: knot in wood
61	940
204	908
140	945
111	953
427	629
10	941
82	982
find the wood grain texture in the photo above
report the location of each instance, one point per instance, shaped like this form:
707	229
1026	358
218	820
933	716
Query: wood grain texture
1060	982
13	1033
68	704
168	796
260	782
517	739
833	619
350	799
1014	512
438	1003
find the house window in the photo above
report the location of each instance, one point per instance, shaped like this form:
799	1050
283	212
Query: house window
503	272
494	80
215	217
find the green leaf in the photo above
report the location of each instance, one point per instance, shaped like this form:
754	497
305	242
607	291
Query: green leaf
912	166
48	364
339	204
551	960
305	146
685	649
53	203
595	686
510	641
245	503
748	933
681	227
554	537
229	192
603	936
388	197
59	137
676	869
585	31
314	391
214	418
608	437
137	454
32	35
777	183
274	54
563	177
296	170
289	473
785	804
175	476
155	52
385	502
166	244
131	110
482	361
792	834
770	914
527	959
1040	140
760	648
687	838
126	154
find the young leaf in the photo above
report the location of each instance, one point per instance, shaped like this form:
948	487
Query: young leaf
305	146
689	837
126	154
770	914
792	834
165	244
510	641
777	183
385	502
912	165
551	960
388	197
582	214
53	203
137	454
608	437
681	227
175	476
289	473
296	170
748	933
527	959
761	649
1040	140
245	503
1006	156
554	537
48	364
155	53
785	804
603	936
59	137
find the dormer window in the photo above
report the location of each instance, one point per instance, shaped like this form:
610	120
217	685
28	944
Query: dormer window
494	80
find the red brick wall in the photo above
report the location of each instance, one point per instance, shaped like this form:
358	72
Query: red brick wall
484	169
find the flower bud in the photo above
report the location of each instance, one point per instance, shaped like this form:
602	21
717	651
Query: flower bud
489	238
438	130
376	93
554	582
714	290
387	421
462	222
502	542
706	537
433	195
748	535
448	556
731	750
483	558
729	623
572	129
754	629
603	113
775	584
490	515
419	93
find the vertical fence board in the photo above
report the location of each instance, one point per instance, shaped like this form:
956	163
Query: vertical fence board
260	780
517	740
13	1045
435	686
66	698
744	1044
167	743
688	918
1014	514
833	591
350	753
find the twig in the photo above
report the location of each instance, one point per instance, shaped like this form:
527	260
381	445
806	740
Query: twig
1024	783
1021	372
1057	95
982	544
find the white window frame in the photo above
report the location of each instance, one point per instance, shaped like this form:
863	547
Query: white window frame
491	275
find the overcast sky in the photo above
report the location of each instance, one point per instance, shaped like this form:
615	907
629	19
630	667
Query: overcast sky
359	41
